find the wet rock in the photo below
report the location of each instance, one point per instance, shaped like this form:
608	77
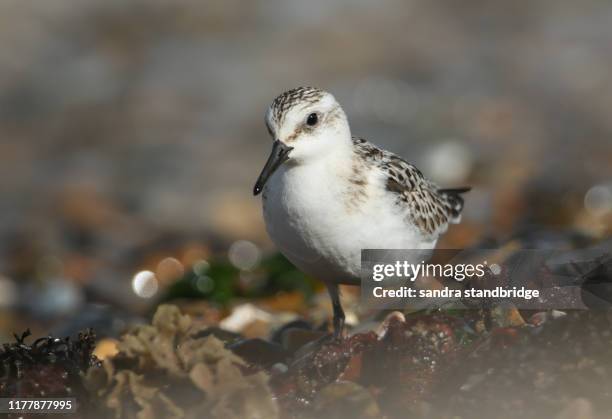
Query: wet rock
318	363
299	324
294	339
223	335
259	352
398	365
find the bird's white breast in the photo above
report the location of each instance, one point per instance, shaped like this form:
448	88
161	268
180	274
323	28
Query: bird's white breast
320	224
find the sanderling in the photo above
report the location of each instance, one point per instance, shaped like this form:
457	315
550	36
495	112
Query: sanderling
327	195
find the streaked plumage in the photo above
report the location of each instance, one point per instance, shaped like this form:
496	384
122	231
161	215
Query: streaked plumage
428	207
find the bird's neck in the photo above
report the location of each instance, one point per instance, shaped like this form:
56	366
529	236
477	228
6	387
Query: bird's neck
336	164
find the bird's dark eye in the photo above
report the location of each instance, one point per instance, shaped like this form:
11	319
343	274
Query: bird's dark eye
312	119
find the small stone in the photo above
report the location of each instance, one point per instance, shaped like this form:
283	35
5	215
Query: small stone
393	319
506	315
169	270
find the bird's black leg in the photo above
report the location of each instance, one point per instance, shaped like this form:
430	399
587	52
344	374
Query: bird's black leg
334	293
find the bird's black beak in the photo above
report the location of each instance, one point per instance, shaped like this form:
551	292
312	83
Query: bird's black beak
279	155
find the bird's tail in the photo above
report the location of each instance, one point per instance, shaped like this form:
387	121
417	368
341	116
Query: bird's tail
455	201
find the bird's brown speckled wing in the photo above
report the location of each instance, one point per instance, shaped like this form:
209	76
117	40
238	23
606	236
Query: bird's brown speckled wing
426	206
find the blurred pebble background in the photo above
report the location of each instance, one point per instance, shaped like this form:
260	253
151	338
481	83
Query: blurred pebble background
131	132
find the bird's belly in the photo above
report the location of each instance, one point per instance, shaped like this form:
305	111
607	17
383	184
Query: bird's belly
323	237
308	238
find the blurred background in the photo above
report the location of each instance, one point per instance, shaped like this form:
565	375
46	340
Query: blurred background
131	133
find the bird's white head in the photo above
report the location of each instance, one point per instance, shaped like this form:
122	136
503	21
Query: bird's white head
306	124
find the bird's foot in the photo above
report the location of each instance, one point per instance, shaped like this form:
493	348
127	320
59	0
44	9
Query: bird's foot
339	327
338	311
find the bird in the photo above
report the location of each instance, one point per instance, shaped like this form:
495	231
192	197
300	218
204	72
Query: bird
327	195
